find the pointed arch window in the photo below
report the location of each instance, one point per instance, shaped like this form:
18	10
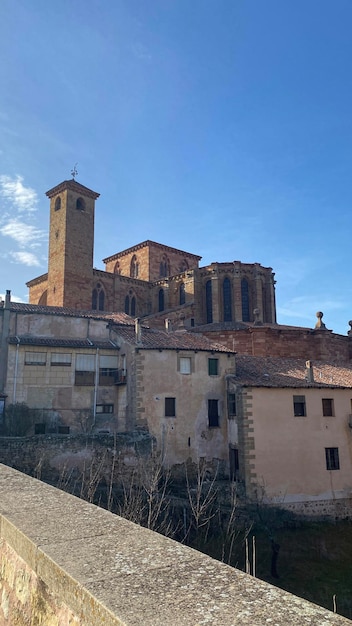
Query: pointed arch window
117	269
161	300
80	204
184	265
226	290
182	293
245	300
164	266
134	268
209	302
127	305
98	298
133	306
58	203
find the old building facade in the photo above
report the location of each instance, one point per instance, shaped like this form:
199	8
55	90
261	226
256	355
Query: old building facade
149	279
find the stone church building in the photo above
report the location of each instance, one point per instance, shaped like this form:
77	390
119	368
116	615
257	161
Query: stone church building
147	280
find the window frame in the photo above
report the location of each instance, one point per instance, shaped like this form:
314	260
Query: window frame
297	400
231	404
169	406
30	360
328	407
213	363
213	415
107	408
332	459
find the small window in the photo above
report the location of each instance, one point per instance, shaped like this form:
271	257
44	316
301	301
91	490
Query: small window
63	430
299	406
328	407
170	407
58	203
182	293
104	409
213	413
332	458
185	365
35	358
231	401
62	359
80	204
213	367
39	429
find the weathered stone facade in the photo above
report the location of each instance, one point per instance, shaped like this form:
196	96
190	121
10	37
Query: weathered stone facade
148	279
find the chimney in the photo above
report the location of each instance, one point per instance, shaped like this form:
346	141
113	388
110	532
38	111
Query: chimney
309	372
138	330
7	299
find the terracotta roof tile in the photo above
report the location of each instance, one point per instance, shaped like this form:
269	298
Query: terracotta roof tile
63	343
152	339
116	317
252	371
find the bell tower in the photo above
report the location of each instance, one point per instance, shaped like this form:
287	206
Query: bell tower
71	242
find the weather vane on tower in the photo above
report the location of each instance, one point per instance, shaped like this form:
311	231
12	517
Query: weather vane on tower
74	172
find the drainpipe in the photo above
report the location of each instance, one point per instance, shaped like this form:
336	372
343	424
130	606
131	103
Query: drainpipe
16	371
96	382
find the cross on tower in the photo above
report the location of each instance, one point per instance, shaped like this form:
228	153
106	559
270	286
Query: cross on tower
74	172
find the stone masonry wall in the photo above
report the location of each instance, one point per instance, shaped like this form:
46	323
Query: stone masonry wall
65	562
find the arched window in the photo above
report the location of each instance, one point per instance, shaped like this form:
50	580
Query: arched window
133	306
182	293
98	298
184	265
80	204
117	269
226	291
161	299
164	267
209	302
58	203
245	300
127	305
134	268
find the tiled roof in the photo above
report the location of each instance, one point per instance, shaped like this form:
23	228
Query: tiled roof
116	317
152	339
62	343
229	326
255	371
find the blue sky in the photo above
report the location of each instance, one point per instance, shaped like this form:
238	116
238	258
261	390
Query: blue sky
221	127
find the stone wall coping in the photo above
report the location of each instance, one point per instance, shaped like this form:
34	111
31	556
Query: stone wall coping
111	572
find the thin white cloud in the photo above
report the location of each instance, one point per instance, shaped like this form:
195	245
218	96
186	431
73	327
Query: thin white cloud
13	298
24	234
26	258
306	307
20	197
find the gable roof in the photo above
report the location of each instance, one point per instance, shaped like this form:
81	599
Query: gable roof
152	244
255	371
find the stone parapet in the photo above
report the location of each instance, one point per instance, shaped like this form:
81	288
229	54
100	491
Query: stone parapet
64	561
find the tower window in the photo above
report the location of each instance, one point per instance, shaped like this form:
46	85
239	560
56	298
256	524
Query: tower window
98	298
80	204
134	268
182	294
209	301
245	300
226	287
58	203
161	300
164	267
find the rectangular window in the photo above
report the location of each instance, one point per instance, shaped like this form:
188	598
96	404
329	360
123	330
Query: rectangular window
170	407
299	406
104	409
185	365
332	458
107	376
328	407
84	378
213	367
61	358
231	403
35	358
85	362
213	413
